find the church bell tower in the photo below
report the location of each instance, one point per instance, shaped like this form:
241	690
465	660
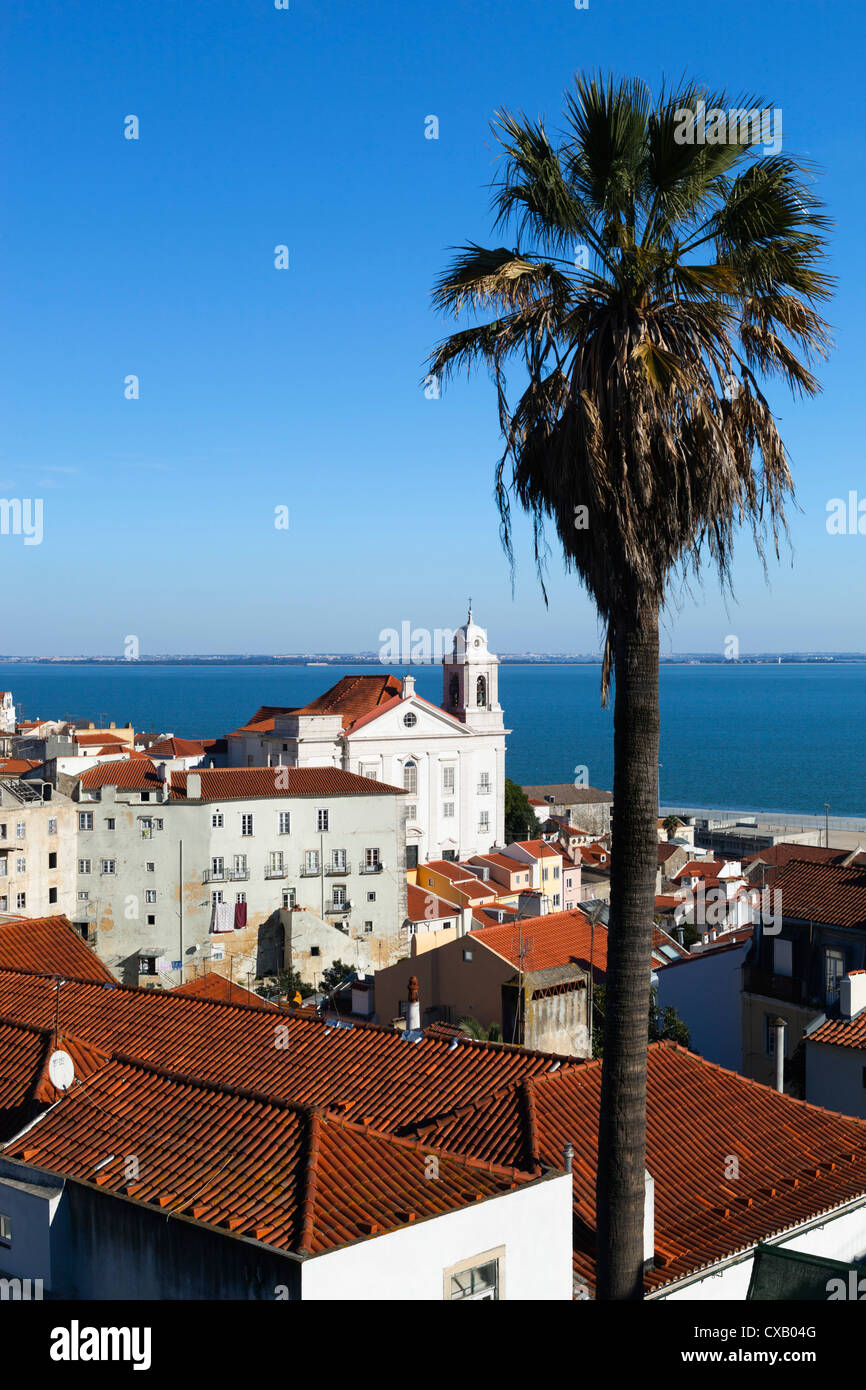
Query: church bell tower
470	680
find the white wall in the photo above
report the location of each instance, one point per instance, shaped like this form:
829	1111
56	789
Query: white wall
834	1078
533	1223
706	992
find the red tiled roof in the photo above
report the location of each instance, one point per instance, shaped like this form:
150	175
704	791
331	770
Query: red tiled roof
556	939
87	740
826	893
49	945
514	866
292	1177
14	767
667	850
422	905
25	1082
540	848
700	868
369	1070
138	774
214	986
231	783
842	1032
795	1160
351	697
176	748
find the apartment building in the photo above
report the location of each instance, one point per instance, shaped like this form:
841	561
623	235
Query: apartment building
176	867
37	849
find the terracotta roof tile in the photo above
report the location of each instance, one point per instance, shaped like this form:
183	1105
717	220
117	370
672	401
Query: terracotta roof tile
226	784
49	945
826	893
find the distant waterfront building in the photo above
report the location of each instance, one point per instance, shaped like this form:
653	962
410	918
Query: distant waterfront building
450	760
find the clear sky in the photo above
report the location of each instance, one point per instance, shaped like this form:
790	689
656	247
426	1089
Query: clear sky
262	388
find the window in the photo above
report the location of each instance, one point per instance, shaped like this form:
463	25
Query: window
338	861
477	1280
150	867
467	954
150	895
311	861
481	691
5	1230
448	779
339	895
783	958
21	829
216	896
3	830
314	951
285	822
411	811
484	820
21	865
216	820
107	866
371	897
217	867
84	866
52	827
158	823
410	720
247	824
448	810
288	899
21	900
239	868
368	926
52	895
556	871
410	777
145	825
109	822
369	772
240	897
544	874
321	820
275	862
83	896
371	861
556	900
411	856
218	951
834	969
151	920
3	863
484	782
52	860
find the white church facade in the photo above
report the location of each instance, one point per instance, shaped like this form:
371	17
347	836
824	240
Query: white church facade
448	759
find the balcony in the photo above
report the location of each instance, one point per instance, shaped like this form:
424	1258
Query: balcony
484	789
276	871
309	871
335	906
214	876
337	867
782	987
238	875
370	868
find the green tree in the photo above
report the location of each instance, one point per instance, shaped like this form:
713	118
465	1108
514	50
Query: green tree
521	822
334	976
289	985
649	287
671	825
662	1023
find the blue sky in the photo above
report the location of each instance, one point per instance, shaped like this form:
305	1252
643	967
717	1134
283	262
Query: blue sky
262	388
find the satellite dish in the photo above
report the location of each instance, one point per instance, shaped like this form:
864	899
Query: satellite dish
61	1070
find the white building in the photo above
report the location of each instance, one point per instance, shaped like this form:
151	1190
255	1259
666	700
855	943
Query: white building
450	760
211	864
37	850
7	713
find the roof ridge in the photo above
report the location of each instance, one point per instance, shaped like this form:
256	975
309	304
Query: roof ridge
308	1203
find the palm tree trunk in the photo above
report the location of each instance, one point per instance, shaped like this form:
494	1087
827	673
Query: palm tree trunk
622	1122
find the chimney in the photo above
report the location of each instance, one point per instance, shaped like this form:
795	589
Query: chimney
779	1028
649	1220
408	687
464	926
413	1013
852	993
193	786
568	1157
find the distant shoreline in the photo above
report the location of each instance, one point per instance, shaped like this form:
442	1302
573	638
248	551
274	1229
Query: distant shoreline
372	659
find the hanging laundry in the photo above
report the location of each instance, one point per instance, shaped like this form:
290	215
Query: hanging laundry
240	916
223	918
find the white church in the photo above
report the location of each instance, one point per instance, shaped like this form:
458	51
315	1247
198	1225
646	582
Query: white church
450	759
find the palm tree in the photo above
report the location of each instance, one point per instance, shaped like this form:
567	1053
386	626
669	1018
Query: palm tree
473	1029
670	825
655	285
